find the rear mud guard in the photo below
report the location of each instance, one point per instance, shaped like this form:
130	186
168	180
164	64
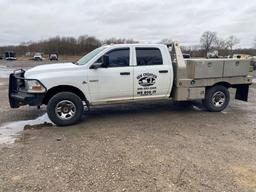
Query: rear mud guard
242	92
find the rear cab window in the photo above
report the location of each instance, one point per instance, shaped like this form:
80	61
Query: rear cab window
146	56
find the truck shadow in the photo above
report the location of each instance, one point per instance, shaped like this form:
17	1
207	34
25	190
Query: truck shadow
141	108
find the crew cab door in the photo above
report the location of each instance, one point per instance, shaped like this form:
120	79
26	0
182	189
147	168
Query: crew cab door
115	82
152	74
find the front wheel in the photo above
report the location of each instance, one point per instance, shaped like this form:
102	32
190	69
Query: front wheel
65	108
216	98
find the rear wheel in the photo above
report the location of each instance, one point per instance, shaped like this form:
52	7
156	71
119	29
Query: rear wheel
65	108
216	98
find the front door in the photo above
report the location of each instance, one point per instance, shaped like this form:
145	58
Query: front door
114	83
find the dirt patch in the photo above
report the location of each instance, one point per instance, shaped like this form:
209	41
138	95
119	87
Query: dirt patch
245	176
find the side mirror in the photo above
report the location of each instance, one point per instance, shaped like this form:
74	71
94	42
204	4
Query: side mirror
96	65
105	61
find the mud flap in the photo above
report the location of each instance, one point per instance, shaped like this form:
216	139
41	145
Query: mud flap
242	92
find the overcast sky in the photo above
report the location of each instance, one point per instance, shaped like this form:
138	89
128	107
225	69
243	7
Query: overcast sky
143	20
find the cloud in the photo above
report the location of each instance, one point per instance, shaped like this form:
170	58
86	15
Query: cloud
144	20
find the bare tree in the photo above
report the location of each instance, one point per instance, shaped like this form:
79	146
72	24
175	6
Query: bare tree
208	40
114	40
166	41
222	46
232	41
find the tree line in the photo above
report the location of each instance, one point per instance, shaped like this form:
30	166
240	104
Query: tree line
209	41
64	45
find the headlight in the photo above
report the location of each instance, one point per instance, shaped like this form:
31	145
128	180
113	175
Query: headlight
34	86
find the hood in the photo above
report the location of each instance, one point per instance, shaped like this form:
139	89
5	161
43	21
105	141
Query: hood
60	67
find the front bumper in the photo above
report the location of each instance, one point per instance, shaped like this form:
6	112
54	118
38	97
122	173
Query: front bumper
17	94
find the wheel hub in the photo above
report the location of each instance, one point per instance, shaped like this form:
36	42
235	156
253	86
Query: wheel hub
218	99
65	109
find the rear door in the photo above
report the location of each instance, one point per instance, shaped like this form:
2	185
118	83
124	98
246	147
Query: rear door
152	74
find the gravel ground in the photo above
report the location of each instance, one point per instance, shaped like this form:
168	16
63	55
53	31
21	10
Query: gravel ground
158	146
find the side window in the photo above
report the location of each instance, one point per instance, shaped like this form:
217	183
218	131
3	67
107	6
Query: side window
119	57
148	56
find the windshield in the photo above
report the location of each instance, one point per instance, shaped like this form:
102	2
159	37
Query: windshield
89	56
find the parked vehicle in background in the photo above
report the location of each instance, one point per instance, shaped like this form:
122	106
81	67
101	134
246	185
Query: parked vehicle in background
253	62
53	57
38	57
213	54
186	56
241	56
128	72
10	55
1	57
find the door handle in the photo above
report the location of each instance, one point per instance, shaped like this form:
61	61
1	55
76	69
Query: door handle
94	80
163	71
125	73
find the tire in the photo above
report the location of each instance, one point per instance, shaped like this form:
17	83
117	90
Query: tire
216	98
65	109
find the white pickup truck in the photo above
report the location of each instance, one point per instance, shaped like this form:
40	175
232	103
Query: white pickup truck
127	73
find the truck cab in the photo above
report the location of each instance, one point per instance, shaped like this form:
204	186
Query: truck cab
123	73
128	72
